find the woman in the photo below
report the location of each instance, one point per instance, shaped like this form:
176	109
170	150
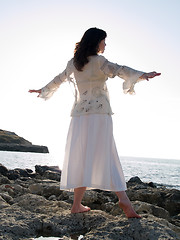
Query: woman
91	159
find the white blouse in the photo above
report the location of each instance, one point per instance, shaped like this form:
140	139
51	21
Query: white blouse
91	93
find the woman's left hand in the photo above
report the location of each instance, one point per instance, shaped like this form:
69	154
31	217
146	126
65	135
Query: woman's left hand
36	91
150	75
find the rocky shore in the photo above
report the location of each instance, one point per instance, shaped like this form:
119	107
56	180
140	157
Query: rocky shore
32	205
9	141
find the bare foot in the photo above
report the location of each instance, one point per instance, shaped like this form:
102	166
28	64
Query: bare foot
128	209
80	209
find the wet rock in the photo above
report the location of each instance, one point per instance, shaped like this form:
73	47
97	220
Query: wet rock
153	185
24	172
135	180
19	173
13	174
42	169
3	170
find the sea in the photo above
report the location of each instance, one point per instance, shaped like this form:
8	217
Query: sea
163	172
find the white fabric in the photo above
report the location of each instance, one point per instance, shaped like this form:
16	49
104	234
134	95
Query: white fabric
91	93
91	159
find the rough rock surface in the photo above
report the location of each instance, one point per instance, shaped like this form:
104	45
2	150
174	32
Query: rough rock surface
9	141
33	205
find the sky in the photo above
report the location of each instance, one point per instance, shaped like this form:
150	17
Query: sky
37	38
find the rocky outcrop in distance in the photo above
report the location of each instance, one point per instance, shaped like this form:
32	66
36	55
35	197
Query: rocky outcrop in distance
9	141
32	205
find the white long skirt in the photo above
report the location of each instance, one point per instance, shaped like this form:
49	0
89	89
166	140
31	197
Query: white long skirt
91	159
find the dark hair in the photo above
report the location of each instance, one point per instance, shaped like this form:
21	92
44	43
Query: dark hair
88	46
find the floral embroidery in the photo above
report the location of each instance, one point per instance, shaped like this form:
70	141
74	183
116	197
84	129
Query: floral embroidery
84	101
91	93
85	92
100	105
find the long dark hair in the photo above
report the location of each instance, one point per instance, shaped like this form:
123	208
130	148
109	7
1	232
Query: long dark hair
88	46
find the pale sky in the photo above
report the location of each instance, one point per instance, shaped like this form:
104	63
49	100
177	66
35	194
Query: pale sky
38	38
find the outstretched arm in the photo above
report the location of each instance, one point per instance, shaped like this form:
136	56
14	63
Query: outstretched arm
47	91
129	75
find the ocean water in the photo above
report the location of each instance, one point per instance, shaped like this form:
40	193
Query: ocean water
160	171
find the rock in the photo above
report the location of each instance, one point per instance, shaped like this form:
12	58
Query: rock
38	219
109	206
172	201
168	199
42	169
3	203
53	189
7	137
24	172
36	189
153	185
46	190
13	190
52	175
7	198
13	174
176	220
9	141
98	199
23	148
66	196
115	210
135	180
35	206
142	207
19	224
52	198
49	172
29	201
4	180
131	229
3	170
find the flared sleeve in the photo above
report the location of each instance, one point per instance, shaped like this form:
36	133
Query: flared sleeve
51	87
129	75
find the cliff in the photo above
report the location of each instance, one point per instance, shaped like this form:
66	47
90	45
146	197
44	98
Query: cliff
9	141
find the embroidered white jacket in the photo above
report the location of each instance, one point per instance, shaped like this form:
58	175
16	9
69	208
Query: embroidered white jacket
91	93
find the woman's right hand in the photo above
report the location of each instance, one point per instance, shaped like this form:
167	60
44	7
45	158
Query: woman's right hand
150	75
36	91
